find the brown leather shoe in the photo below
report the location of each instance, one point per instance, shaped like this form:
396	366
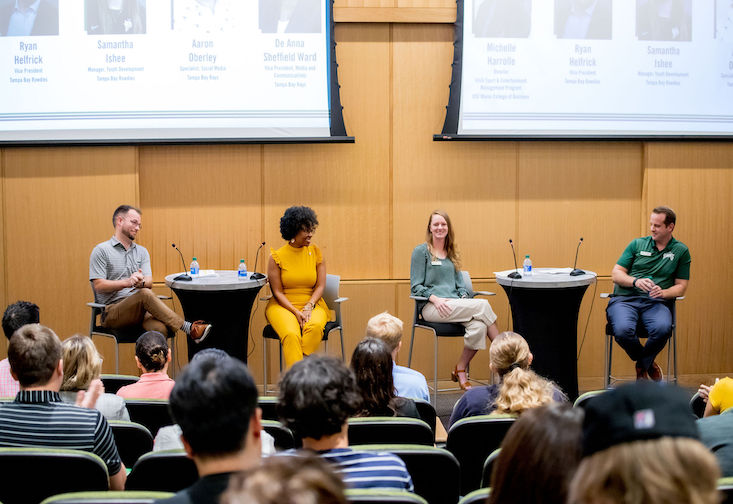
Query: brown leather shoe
641	373
199	331
655	372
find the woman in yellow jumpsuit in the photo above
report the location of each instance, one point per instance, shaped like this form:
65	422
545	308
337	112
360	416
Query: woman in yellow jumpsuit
297	276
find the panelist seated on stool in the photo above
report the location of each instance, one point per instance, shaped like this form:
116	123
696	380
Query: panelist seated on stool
650	274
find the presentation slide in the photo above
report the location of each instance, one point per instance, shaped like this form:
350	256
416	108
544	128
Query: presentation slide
168	70
594	68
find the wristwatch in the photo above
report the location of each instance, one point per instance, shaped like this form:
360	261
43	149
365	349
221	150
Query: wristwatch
633	284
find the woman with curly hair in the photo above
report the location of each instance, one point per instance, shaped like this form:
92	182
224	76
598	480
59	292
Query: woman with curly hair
519	389
297	275
152	356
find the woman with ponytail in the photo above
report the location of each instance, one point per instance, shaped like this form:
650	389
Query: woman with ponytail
152	356
519	387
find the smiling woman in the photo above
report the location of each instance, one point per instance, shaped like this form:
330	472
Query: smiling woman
297	276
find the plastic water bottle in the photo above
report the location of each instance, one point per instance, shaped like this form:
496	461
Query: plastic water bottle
527	266
242	271
194	267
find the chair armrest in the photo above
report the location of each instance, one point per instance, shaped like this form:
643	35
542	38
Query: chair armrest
483	293
161	296
605	294
418	298
679	298
340	300
95	305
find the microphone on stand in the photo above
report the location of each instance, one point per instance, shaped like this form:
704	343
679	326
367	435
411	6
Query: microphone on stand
577	272
514	274
255	275
183	276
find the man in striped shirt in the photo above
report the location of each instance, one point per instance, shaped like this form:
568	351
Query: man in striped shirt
317	397
38	417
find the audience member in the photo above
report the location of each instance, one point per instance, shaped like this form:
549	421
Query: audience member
542	447
519	389
82	365
372	363
152	357
317	397
641	445
716	430
16	316
35	361
305	479
215	404
407	382
718	397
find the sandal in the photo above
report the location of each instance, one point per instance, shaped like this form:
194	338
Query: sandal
454	376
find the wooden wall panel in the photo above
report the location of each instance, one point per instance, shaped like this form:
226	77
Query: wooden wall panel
473	181
58	204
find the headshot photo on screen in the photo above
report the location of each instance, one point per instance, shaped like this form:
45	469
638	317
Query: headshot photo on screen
29	18
502	18
290	16
583	19
115	17
724	20
664	20
205	16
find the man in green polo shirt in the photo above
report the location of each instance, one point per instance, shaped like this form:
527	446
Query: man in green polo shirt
648	276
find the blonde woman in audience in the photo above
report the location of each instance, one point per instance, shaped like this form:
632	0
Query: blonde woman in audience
82	364
152	356
295	479
520	388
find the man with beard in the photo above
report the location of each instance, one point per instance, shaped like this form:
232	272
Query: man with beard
119	270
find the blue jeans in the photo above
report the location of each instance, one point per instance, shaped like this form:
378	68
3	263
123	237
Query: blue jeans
626	313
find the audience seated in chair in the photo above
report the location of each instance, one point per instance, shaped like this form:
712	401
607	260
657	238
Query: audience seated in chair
16	316
152	357
542	447
716	429
293	480
641	445
372	364
82	364
317	397
407	382
520	388
214	402
35	361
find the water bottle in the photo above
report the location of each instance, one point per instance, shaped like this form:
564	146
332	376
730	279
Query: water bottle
194	267
527	266
242	271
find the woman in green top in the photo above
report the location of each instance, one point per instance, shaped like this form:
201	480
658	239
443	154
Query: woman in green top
435	274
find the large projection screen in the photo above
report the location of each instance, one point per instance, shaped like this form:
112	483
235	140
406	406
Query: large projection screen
592	69
129	71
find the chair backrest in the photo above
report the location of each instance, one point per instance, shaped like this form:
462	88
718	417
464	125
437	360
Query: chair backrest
427	414
582	400
114	382
435	472
110	497
268	405
725	487
163	471
471	440
132	439
476	497
55	471
488	467
284	439
152	413
383	496
389	430
697	404
467	282
331	293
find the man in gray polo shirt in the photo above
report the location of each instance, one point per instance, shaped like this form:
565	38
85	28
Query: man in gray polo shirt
119	270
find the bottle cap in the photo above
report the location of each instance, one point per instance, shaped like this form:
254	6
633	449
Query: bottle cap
241	260
194	258
527	256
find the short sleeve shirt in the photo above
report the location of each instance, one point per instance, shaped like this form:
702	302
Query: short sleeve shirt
721	395
111	261
642	259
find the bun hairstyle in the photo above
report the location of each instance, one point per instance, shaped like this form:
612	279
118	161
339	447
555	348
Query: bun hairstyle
521	388
151	350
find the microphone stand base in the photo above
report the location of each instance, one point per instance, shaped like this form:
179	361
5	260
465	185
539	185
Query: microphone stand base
514	275
577	272
257	276
183	277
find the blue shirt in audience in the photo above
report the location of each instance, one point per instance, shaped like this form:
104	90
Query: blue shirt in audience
410	383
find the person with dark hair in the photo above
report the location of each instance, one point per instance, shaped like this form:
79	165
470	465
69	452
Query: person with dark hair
297	275
317	397
16	316
29	18
46	421
541	447
649	275
372	364
305	479
214	402
121	277
115	17
641	445
435	274
152	357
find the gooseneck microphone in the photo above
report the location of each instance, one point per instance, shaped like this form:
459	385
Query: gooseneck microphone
577	272
183	276
255	275
514	274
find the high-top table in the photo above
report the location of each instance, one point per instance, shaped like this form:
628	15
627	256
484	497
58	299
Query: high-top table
545	310
224	301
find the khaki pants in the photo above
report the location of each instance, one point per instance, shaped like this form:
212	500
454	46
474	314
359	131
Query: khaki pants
476	316
145	308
